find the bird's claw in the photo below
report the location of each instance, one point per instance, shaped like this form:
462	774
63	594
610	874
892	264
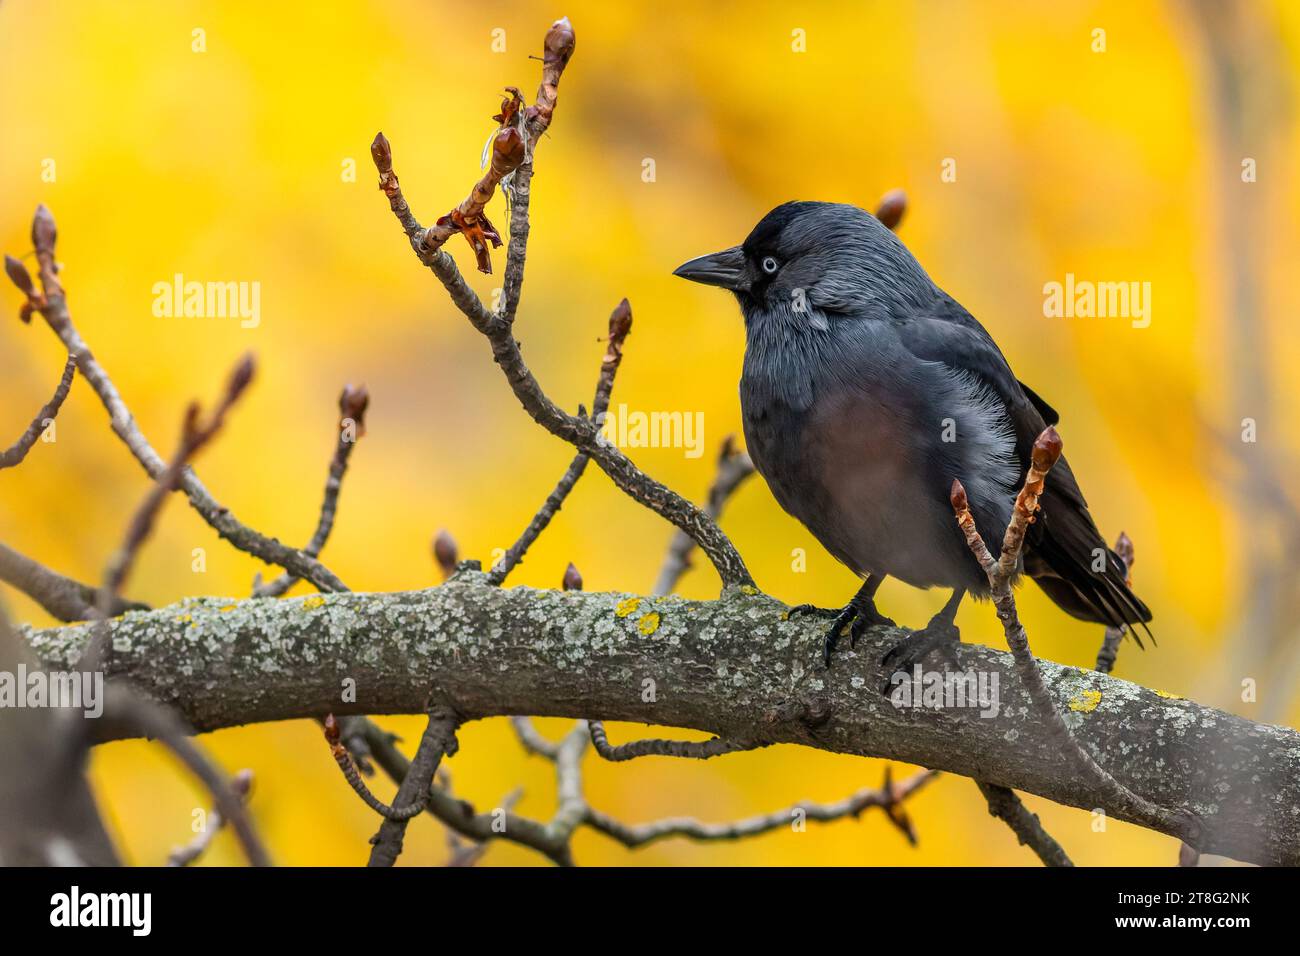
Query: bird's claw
940	636
858	619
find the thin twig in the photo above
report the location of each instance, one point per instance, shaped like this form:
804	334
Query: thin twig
1046	452
460	815
52	304
620	324
194	435
439	738
62	597
531	740
125	709
1007	807
652	747
1110	643
16	452
579	431
734	466
352	426
637	835
242	784
344	759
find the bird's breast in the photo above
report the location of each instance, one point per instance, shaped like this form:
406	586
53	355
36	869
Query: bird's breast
852	470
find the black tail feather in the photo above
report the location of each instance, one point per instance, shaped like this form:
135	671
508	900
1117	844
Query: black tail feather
1063	548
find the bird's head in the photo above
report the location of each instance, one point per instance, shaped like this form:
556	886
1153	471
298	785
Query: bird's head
814	259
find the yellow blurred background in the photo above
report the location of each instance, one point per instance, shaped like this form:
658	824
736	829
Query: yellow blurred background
231	164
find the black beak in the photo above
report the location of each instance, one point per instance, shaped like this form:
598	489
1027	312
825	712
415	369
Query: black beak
725	269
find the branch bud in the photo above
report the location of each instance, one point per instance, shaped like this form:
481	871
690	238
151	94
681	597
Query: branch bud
44	234
572	578
1047	449
382	153
353	402
893	205
445	552
20	277
620	322
560	40
958	497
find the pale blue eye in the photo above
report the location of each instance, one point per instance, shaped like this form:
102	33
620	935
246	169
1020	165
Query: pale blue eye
769	265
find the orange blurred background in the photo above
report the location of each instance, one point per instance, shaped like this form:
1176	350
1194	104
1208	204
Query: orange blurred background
232	164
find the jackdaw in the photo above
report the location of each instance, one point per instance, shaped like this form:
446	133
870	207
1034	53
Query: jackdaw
866	390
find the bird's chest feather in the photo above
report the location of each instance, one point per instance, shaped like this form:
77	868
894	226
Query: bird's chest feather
844	467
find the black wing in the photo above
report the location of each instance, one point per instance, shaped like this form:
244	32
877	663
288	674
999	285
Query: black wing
1064	545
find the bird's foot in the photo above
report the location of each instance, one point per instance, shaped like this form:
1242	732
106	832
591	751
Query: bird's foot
858	617
939	635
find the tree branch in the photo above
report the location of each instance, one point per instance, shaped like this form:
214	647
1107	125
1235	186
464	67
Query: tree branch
62	597
16	452
730	667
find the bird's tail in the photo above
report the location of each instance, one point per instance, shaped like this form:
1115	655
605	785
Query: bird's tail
1067	557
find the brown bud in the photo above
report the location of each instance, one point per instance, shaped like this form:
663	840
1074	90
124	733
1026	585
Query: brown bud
507	151
1047	449
331	730
240	377
353	402
242	782
572	578
382	153
445	552
958	497
560	40
728	448
44	233
20	277
190	427
893	205
1124	548
620	321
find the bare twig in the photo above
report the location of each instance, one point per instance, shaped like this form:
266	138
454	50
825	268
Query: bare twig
63	597
242	784
352	426
531	740
52	304
734	466
439	738
344	759
194	435
16	452
702	750
637	835
1047	450
1007	807
579	431
127	712
1110	643
620	324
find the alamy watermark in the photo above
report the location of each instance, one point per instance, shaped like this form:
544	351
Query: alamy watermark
1084	299
946	690
77	690
209	300
635	429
